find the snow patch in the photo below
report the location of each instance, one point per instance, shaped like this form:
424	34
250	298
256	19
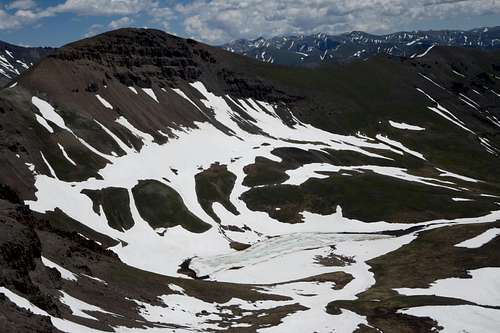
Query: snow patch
65	154
65	274
44	123
460	318
79	308
482	288
104	102
150	93
481	239
426	51
405	126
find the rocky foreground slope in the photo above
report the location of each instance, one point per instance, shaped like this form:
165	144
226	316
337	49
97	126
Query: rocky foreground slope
151	183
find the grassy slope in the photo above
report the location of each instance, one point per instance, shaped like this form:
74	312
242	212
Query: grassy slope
161	206
215	185
358	96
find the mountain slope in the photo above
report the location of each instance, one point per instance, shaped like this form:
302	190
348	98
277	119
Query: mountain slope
312	50
16	59
154	182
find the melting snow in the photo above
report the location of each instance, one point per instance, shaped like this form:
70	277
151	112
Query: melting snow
457	73
300	175
150	93
405	126
315	319
482	288
79	307
104	102
65	274
49	113
425	53
118	141
176	288
481	239
400	146
283	251
461	199
44	123
290	254
138	133
61	324
181	310
460	318
51	170
443	112
66	156
445	173
95	279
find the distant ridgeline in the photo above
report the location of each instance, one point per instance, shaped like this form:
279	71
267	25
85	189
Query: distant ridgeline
312	50
302	50
16	59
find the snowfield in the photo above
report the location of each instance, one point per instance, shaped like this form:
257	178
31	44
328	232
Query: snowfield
288	250
467	289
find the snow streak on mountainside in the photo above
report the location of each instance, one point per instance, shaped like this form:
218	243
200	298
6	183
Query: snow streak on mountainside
15	59
183	192
308	50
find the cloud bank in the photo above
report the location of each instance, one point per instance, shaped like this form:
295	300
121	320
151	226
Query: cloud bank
218	21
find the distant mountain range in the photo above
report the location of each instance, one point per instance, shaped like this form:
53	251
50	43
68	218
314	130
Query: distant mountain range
16	59
312	50
302	50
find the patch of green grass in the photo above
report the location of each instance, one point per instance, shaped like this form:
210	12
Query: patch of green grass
215	185
364	196
264	172
267	172
115	203
161	206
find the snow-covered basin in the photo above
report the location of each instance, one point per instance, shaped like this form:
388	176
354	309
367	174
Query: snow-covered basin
289	254
192	149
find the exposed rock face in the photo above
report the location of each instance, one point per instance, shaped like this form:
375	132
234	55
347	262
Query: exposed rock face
137	57
20	263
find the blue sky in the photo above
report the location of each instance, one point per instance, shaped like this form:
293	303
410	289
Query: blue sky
57	22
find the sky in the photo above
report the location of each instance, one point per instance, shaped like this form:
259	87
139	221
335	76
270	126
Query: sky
58	22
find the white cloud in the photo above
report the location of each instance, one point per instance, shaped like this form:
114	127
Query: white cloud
120	23
217	21
104	7
7	21
20	13
21	4
163	16
94	29
20	18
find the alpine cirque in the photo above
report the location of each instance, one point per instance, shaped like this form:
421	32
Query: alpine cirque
156	184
